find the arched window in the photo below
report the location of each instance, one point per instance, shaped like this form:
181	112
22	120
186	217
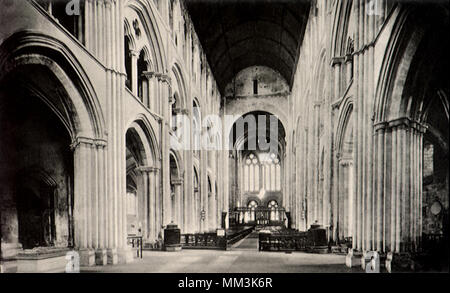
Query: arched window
273	207
196	199
196	127
271	170
127	62
272	204
141	68
173	120
73	23
171	10
252	205
251	173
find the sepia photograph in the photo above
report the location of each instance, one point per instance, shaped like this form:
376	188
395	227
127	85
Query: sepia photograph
224	137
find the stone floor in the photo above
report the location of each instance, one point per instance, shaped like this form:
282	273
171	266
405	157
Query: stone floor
233	261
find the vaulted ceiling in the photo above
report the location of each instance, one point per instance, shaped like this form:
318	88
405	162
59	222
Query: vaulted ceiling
236	34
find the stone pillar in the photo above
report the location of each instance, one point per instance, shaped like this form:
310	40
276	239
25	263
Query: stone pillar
204	189
177	216
101	204
149	96
335	199
134	74
315	167
346	198
83	198
164	90
305	199
157	205
148	210
398	197
379	190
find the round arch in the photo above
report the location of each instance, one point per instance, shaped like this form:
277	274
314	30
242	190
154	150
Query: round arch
80	110
179	84
344	120
146	134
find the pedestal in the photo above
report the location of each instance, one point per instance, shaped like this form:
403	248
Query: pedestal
87	257
112	257
8	259
101	258
172	238
317	239
352	260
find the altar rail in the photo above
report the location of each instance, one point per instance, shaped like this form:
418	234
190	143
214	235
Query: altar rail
212	241
283	241
203	241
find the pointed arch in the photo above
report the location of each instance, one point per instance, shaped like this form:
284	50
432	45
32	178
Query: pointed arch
151	26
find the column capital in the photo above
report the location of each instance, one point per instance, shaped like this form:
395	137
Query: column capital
81	140
345	162
100	142
380	126
422	128
134	53
181	111
147	169
399	122
348	58
317	104
336	61
407	123
149	74
177	181
164	78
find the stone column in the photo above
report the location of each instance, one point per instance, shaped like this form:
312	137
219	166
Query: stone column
335	198
134	74
150	97
204	189
177	217
164	89
144	200
341	213
101	203
83	198
315	167
379	190
158	203
398	198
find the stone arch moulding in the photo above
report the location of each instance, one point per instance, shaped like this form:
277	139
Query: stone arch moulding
262	107
255	199
32	48
150	25
399	53
320	71
179	82
129	34
345	115
36	173
340	27
179	162
147	136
